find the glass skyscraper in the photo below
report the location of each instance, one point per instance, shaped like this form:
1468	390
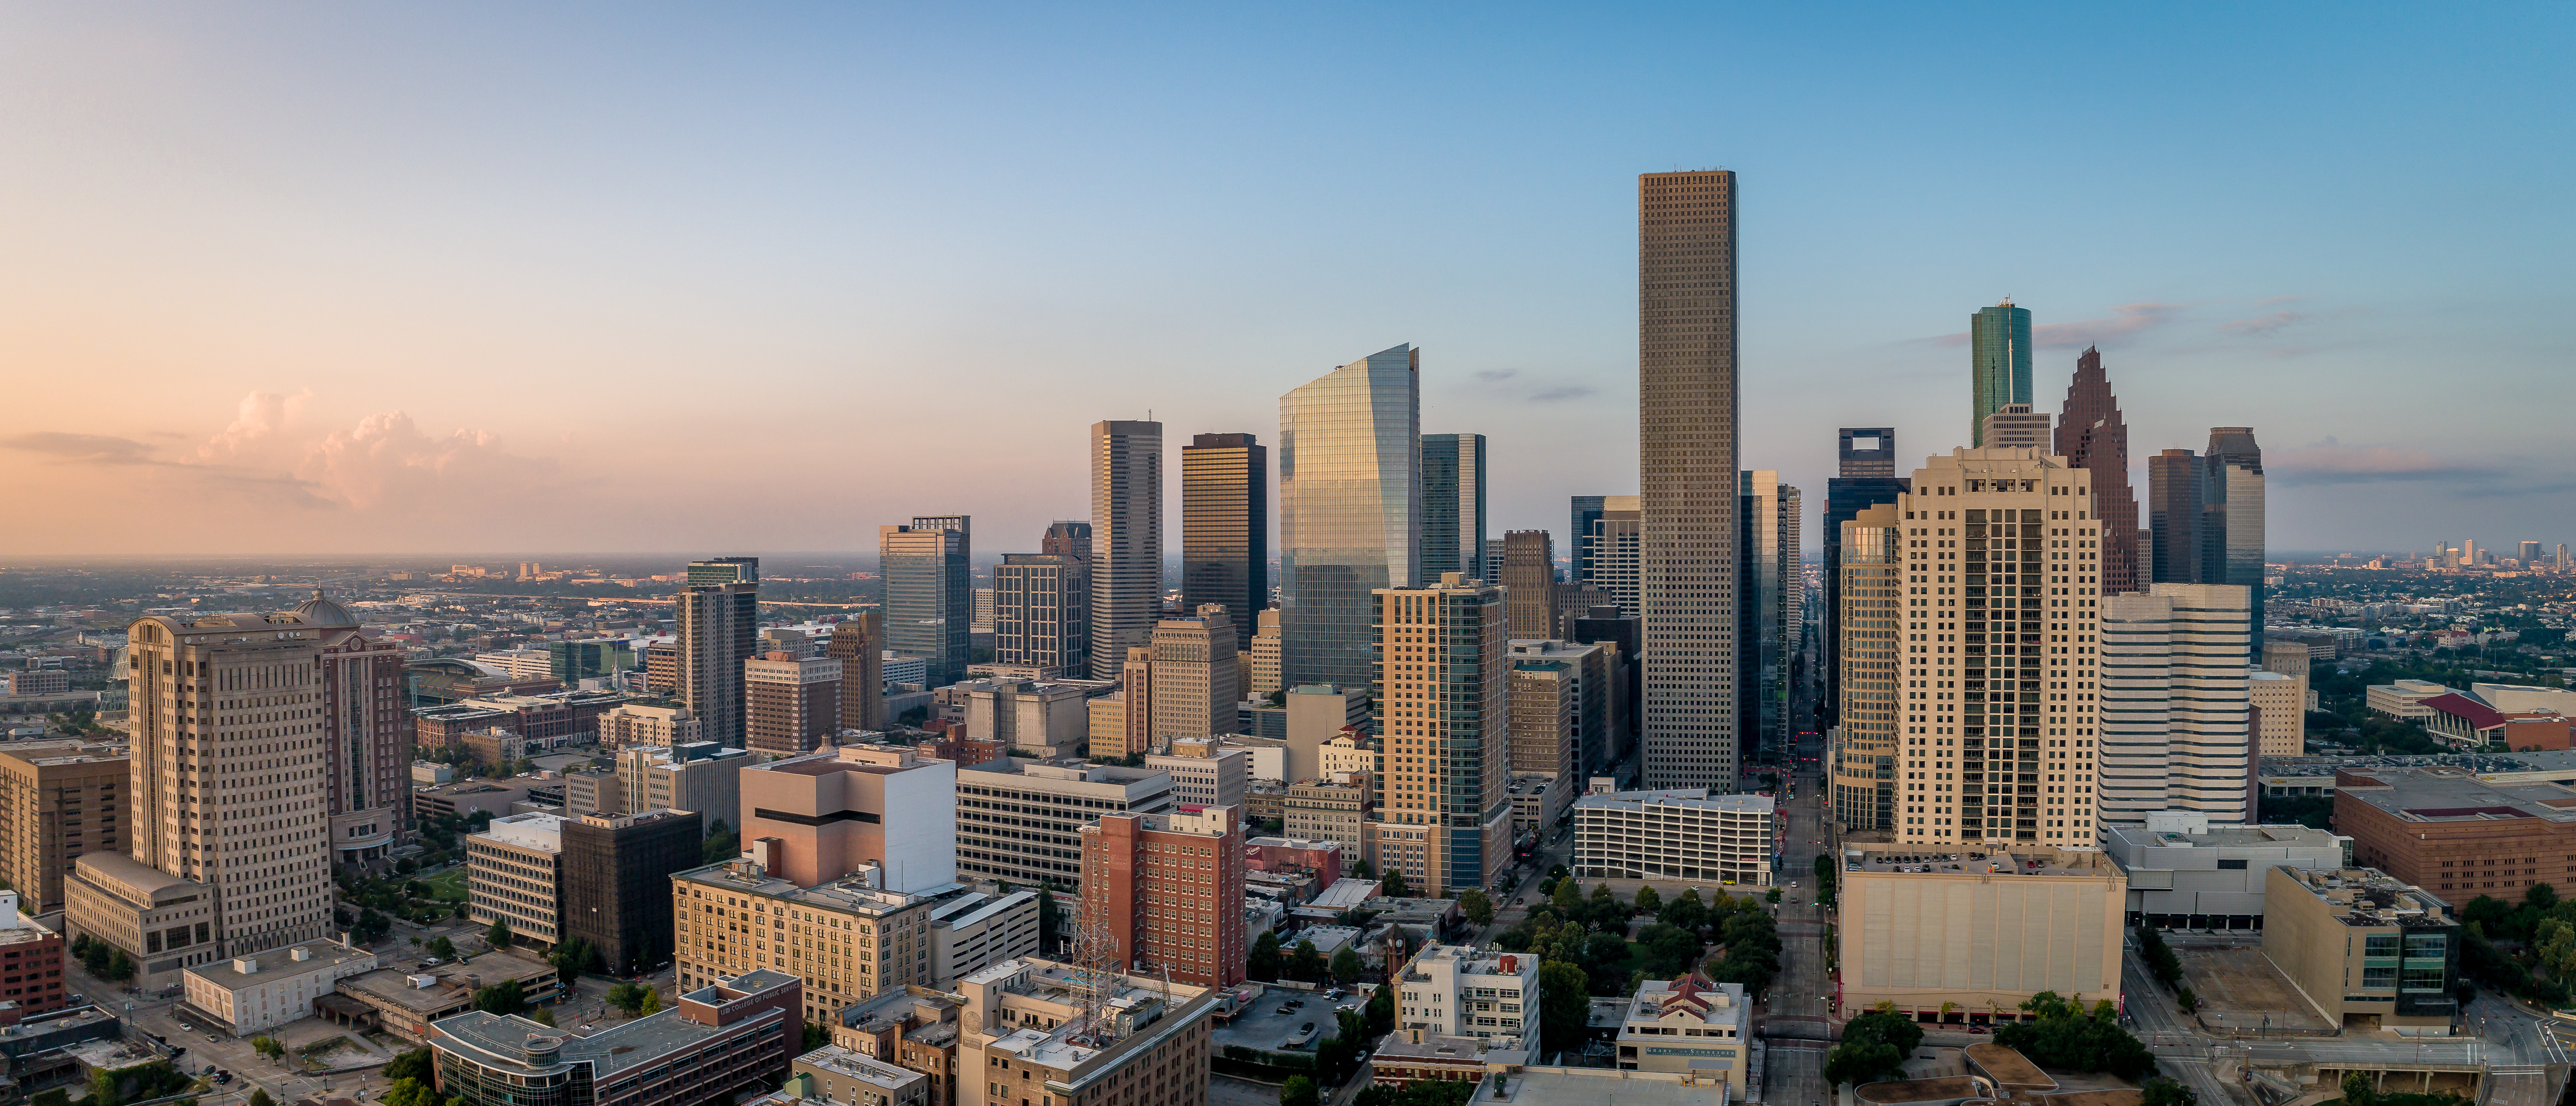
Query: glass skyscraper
1999	363
1867	478
1453	505
1126	540
1350	511
929	593
1225	528
2236	483
1769	584
2092	436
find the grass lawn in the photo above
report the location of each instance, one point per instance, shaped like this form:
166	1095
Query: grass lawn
449	885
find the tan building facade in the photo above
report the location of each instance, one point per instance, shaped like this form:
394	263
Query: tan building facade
846	940
791	704
58	800
1980	939
1444	712
1195	675
1025	1033
2280	713
514	875
2365	950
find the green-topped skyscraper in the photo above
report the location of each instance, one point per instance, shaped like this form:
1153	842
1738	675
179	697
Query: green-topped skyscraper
1999	365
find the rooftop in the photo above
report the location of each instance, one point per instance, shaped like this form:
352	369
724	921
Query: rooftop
2092	864
2453	795
2368	897
1687	798
279	963
842	1062
849	893
505	1042
1400	1046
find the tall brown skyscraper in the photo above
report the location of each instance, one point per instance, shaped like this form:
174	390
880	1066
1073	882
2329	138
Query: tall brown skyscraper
1529	572
1126	539
1686	337
1225	528
859	645
719	623
2091	436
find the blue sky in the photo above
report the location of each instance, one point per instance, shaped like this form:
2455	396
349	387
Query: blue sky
477	278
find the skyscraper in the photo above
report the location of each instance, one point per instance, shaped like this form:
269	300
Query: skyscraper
929	593
2180	514
1867	478
1042	612
1350	510
1998	363
1686	340
790	704
1864	752
2016	426
1225	528
2091	436
1578	534
1067	539
366	734
1613	546
2236	476
859	644
1444	711
1529	575
1126	539
1194	676
1768	586
1453	504
718	616
2175	727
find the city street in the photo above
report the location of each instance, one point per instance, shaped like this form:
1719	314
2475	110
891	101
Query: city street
1798	1026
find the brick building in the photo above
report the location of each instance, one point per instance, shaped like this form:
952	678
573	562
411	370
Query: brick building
57	800
1168	889
790	703
2451	833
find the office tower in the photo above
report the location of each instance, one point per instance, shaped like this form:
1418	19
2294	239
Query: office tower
617	873
1122	722
1998	363
1493	561
575	661
1444	708
2175	722
1194	676
2529	555
1225	527
859	644
791	704
1203	772
1769	588
814	818
662	668
1614	547
1529	577
514	875
226	861
1956	650
1167	892
698	776
1350	510
2180	514
2560	560
48	789
1453	504
982	621
928	592
1264	666
2236	482
1042	612
1867	478
1579	535
2468	552
1019	820
717	571
366	736
1864	750
1594	671
718	629
2016	426
1126	539
1067	539
2092	436
1686	339
858	942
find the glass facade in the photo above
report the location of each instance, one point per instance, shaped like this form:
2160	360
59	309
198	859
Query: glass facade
1126	540
1999	363
1225	528
1453	505
2236	481
1350	510
1771	586
929	592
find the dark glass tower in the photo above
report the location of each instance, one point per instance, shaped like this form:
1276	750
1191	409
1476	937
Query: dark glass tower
2236	482
929	592
1999	363
2091	436
1868	478
1225	528
1453	505
1579	534
2179	512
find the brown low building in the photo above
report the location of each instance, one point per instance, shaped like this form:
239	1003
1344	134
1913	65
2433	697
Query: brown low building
58	799
791	704
914	1028
2449	832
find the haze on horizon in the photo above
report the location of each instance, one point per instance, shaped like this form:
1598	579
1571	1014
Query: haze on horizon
303	282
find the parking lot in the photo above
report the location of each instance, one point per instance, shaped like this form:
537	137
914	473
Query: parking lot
1270	1025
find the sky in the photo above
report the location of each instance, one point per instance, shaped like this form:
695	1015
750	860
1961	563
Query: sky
518	280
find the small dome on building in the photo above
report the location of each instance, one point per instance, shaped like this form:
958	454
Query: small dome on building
321	610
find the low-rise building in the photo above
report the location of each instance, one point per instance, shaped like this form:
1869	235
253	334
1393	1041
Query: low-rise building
406	1004
247	994
465	797
735	1036
828	813
514	875
2280	713
2453	833
975	931
2185	873
1689	1024
2403	698
1538	800
132	905
648	722
1409	1056
2364	949
914	1029
1043	1031
1675	834
845	1078
1285	855
1969	940
1454	991
428	774
1028	714
31	963
2465	723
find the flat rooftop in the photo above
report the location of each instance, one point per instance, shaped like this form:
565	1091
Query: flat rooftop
1981	863
2368	897
2452	795
850	892
2218	837
278	963
1686	798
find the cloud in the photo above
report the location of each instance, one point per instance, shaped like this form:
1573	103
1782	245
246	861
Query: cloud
387	460
2331	462
2265	326
1562	393
83	449
1492	375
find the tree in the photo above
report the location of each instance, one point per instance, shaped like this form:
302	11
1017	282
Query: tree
410	1065
503	998
652	1002
120	967
816	1036
411	1091
542	1016
2068	1036
1565	1007
720	844
442	948
1567	896
1264	958
53	1096
1478	907
499	935
97	957
2163	1091
371	928
2189	1002
1297	1091
1648	902
1874	1048
1686	912
1050	919
1825	880
2541	897
1346	966
259	1097
1772	895
2357	1090
1381	1013
103	1088
627	997
267	1046
1307	965
1669	950
1393	885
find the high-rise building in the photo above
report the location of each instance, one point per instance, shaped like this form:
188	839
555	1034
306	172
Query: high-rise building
2236	476
698	776
1453	504
2529	555
1863	753
366	735
791	704
859	644
1350	510
2092	436
1067	539
1444	707
1867	478
1042	612
1578	535
1589	673
1529	577
1998	363
1225	528
1770	589
851	940
48	789
617	873
719	629
1020	821
1166	890
1994	554
1263	668
1194	669
929	593
514	875
1126	539
1686	343
982	622
1493	560
1613	550
2175	726
2185	516
2017	426
815	818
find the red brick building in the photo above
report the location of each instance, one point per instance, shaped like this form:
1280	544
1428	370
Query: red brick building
31	961
1168	888
2447	831
791	704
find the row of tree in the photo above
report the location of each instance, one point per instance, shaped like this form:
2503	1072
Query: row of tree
102	960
